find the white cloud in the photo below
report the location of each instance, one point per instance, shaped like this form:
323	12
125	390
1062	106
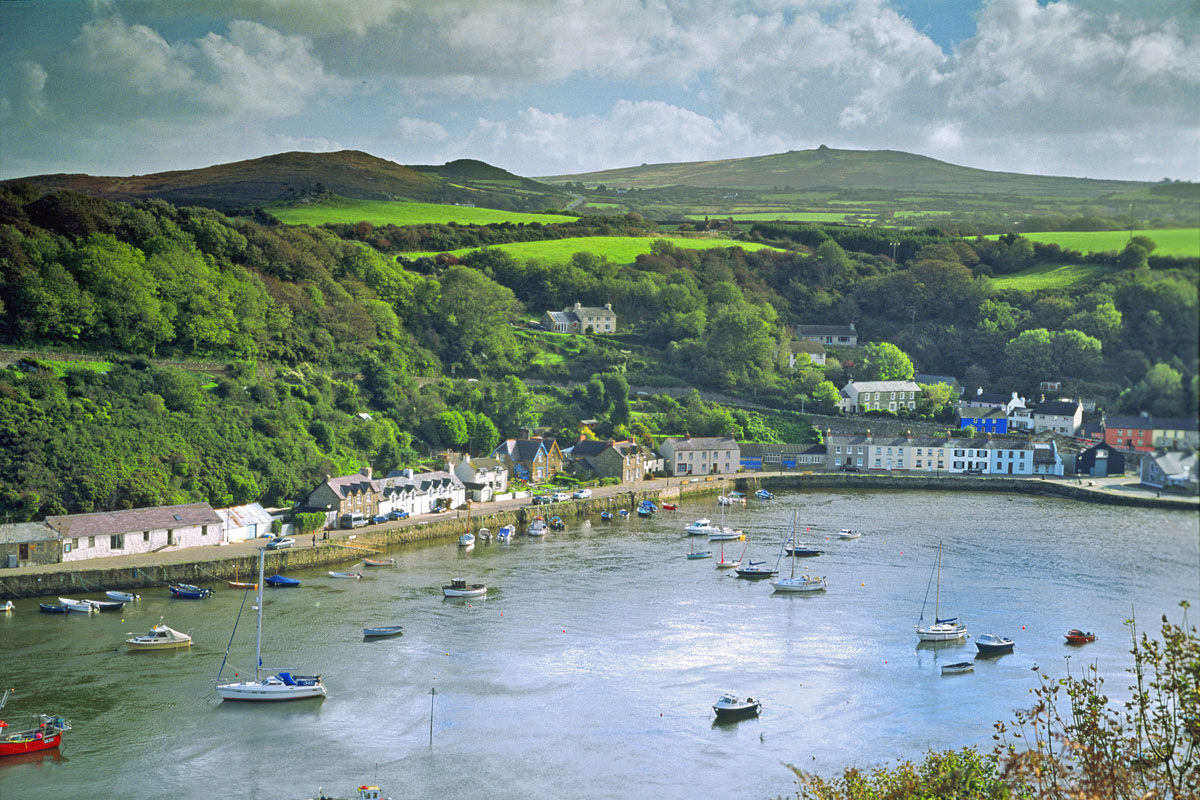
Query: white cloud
419	130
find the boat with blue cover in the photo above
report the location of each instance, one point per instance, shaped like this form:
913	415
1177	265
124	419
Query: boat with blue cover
282	582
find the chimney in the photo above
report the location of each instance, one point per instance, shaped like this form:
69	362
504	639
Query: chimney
408	473
365	471
578	306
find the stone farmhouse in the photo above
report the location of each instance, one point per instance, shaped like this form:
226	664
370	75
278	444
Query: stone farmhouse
581	319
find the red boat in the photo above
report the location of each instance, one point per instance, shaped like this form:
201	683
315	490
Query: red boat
669	507
1076	636
45	733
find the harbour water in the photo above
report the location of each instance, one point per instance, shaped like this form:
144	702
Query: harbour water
590	668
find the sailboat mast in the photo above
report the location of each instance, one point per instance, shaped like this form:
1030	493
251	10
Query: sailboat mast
937	595
262	557
795	544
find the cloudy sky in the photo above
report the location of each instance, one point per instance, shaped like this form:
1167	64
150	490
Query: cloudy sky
1092	88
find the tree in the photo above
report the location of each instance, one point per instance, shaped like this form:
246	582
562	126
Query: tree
936	397
451	429
826	398
1134	256
883	361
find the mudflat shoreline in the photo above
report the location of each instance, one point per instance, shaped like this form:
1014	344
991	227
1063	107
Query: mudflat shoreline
217	564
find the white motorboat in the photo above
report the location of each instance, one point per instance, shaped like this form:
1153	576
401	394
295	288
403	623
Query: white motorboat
846	533
505	534
160	637
281	686
948	629
460	588
82	606
124	597
731	707
990	644
726	535
467	540
700	527
484	535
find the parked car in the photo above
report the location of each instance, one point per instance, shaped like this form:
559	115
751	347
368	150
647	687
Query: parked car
848	468
542	499
972	472
378	518
398	515
582	494
280	542
560	497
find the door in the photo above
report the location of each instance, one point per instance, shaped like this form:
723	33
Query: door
24	552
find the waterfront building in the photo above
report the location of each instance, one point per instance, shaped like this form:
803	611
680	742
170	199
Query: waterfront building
138	530
701	455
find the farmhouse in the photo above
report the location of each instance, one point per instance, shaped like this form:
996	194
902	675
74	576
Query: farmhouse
581	319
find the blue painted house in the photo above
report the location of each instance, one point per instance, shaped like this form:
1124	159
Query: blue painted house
983	420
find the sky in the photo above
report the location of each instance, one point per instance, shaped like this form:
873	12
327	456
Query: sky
1086	88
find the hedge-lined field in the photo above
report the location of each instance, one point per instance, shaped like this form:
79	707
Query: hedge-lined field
387	212
1052	276
1171	241
618	249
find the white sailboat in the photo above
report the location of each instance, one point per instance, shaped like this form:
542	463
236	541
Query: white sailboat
948	629
280	686
794	582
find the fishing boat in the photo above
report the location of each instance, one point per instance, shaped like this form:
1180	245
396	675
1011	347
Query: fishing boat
1077	636
351	575
379	562
557	524
160	637
990	644
946	629
186	591
763	494
459	588
51	608
505	534
846	533
802	549
623	513
82	606
282	582
280	686
124	597
537	527
106	605
8	607
957	667
43	732
467	540
730	707
381	631
606	516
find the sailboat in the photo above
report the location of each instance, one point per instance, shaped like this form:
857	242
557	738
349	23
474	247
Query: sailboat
946	629
755	569
796	583
723	563
282	685
693	553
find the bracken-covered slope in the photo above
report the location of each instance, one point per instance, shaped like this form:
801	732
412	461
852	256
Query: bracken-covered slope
825	167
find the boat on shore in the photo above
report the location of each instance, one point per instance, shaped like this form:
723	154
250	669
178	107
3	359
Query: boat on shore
381	631
160	637
989	644
730	707
1073	636
460	588
43	732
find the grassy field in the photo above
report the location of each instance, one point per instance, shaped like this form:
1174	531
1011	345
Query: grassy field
618	249
1170	241
384	212
775	216
1052	276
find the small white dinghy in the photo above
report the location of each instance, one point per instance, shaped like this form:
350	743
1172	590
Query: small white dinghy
460	588
82	606
466	540
958	667
352	575
846	533
124	597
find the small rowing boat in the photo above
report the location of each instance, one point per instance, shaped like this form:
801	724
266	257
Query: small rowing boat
379	562
381	631
351	575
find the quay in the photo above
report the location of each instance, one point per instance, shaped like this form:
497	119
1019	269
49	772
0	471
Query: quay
217	564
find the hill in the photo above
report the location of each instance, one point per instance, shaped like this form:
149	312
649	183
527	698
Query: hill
300	177
889	170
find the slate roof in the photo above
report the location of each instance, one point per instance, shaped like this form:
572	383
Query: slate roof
826	330
106	523
1057	408
346	485
807	346
884	386
981	412
702	443
589	447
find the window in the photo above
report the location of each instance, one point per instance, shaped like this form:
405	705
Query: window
116	541
204	530
145	536
839	451
877	462
91	541
75	543
170	537
66	547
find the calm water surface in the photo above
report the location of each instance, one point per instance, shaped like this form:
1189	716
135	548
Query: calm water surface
590	668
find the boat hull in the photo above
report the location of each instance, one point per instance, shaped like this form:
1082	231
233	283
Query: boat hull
798	585
745	711
942	633
383	562
18	744
387	630
267	691
50	608
957	669
470	591
124	597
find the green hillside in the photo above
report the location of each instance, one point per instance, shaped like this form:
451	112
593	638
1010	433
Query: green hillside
1183	242
387	212
617	249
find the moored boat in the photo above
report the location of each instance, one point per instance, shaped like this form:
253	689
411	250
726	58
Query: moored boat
730	707
160	637
846	533
957	667
484	535
282	582
537	527
990	644
799	583
505	534
242	585
460	588
467	540
7	608
124	597
1077	636
379	562
82	606
557	524
351	575
52	608
381	631
606	516
670	507
763	494
186	591
700	527
623	513
106	605
949	629
756	569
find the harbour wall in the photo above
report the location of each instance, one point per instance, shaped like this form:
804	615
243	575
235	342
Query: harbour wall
214	566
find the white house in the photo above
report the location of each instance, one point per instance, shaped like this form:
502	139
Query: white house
1169	470
813	349
701	455
859	396
138	530
1058	416
483	478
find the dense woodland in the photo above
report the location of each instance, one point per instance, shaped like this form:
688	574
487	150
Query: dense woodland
237	356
